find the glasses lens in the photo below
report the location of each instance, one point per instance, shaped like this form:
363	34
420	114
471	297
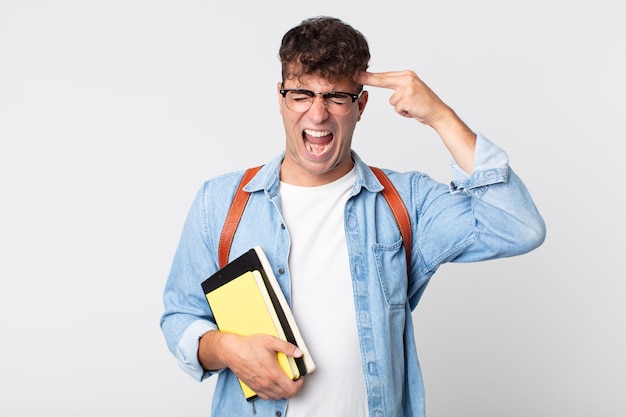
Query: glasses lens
338	103
301	101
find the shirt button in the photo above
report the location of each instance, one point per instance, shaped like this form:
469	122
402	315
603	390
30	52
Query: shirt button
363	318
281	271
278	413
371	366
282	226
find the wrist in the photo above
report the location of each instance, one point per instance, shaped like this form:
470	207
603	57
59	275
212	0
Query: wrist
210	350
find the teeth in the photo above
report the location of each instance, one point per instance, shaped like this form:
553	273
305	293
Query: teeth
317	149
316	133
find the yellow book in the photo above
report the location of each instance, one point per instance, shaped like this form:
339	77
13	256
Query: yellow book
246	299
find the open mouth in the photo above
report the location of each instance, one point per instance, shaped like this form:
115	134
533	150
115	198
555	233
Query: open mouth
317	142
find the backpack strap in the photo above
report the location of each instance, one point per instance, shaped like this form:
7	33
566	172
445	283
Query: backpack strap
399	211
233	216
240	200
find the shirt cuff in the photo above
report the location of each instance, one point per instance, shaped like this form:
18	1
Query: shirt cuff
491	166
187	350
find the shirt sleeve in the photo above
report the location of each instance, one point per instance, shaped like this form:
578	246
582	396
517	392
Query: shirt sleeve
187	349
490	167
487	214
187	315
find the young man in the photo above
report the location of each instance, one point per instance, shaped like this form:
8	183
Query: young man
317	211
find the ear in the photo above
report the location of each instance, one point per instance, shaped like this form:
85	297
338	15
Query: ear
278	86
362	103
279	97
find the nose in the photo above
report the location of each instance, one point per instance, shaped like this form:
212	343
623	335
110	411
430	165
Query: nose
318	109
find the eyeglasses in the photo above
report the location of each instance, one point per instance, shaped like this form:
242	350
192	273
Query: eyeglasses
336	102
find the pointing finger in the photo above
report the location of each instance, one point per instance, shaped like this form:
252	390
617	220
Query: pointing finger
390	80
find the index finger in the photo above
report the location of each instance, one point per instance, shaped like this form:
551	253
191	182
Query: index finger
389	79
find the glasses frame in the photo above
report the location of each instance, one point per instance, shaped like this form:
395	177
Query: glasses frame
325	96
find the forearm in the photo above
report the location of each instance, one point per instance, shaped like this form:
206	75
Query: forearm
211	349
457	137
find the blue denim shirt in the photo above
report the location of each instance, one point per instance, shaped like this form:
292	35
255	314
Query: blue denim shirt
486	215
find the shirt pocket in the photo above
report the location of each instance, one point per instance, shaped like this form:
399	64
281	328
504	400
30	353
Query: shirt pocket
391	271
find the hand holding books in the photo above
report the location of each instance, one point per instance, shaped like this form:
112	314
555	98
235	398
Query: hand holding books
253	360
246	300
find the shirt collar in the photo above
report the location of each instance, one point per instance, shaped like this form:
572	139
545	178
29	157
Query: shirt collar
268	178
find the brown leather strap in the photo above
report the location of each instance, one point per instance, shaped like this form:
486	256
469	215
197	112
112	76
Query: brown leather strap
240	200
399	212
233	216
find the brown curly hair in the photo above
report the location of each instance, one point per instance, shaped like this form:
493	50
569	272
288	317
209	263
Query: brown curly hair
324	46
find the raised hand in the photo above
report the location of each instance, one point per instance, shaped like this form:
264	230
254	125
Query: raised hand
411	97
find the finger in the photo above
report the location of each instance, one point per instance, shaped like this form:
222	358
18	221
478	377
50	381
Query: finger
276	392
275	384
380	79
279	345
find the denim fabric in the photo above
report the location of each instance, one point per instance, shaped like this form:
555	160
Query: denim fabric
486	215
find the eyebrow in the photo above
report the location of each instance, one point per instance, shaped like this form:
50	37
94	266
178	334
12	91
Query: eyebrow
304	90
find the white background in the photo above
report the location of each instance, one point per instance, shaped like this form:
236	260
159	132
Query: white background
112	113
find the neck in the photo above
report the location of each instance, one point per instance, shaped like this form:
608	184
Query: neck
295	174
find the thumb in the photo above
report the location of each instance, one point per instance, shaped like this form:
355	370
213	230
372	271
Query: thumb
297	353
279	345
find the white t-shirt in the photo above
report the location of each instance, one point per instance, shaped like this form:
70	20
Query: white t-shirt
323	299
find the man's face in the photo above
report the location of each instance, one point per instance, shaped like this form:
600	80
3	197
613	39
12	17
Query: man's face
318	142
